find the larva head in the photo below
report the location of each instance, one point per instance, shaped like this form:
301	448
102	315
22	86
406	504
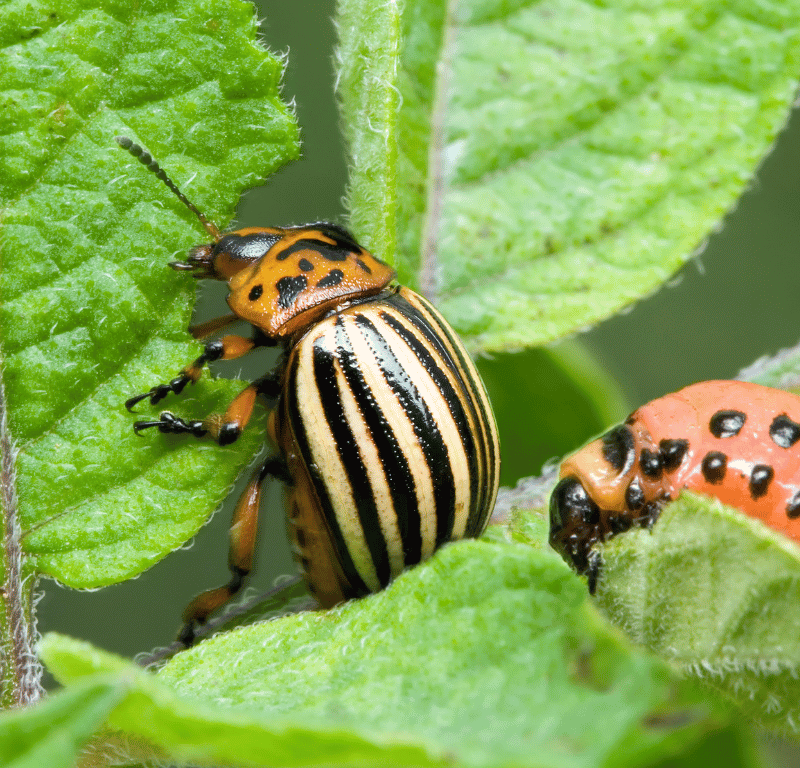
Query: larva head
605	488
301	274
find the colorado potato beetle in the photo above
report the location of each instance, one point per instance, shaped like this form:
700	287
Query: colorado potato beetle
730	439
382	425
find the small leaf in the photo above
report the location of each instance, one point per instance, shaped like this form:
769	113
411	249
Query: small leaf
559	160
489	654
53	732
781	370
91	313
716	594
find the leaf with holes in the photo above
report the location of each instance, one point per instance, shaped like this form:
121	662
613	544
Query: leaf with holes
91	314
555	161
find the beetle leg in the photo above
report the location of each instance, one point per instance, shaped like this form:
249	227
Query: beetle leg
240	554
225	429
593	571
201	330
170	424
226	348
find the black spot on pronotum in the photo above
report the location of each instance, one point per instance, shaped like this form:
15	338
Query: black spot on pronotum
634	497
364	266
618	448
726	423
289	288
714	466
305	265
333	278
760	478
672	453
784	432
255	292
651	463
793	507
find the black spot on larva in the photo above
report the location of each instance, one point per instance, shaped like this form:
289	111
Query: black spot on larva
672	453
334	277
793	507
305	265
289	288
784	432
255	292
618	448
714	466
760	478
651	463
634	496
726	423
364	266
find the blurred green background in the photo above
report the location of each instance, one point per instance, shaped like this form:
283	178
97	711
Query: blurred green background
737	301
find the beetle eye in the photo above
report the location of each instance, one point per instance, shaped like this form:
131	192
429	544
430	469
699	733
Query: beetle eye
247	248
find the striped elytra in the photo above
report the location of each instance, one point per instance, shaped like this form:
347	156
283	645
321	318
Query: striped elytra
393	429
383	428
733	440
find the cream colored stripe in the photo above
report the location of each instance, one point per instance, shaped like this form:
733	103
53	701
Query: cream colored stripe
440	410
326	456
485	430
397	420
387	517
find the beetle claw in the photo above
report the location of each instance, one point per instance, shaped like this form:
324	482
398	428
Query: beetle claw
170	424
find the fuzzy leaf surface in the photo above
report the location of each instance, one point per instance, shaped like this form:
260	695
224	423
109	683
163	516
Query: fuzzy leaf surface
422	673
717	595
558	160
90	314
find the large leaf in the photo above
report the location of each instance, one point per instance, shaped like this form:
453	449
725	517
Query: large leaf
490	654
556	160
90	312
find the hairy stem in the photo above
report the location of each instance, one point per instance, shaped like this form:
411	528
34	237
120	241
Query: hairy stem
20	671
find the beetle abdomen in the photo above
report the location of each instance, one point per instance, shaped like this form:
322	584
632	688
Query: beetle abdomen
392	422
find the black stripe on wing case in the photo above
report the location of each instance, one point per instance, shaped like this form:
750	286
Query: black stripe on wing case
428	321
425	428
354	586
395	463
453	399
344	440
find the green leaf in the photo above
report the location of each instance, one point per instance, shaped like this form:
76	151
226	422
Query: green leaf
369	46
53	732
489	654
716	594
91	314
559	160
781	371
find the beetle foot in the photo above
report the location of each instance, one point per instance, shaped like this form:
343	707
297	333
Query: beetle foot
160	391
170	424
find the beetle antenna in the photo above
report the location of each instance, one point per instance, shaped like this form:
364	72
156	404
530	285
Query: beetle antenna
146	159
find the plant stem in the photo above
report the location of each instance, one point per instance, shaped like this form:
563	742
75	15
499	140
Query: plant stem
20	671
